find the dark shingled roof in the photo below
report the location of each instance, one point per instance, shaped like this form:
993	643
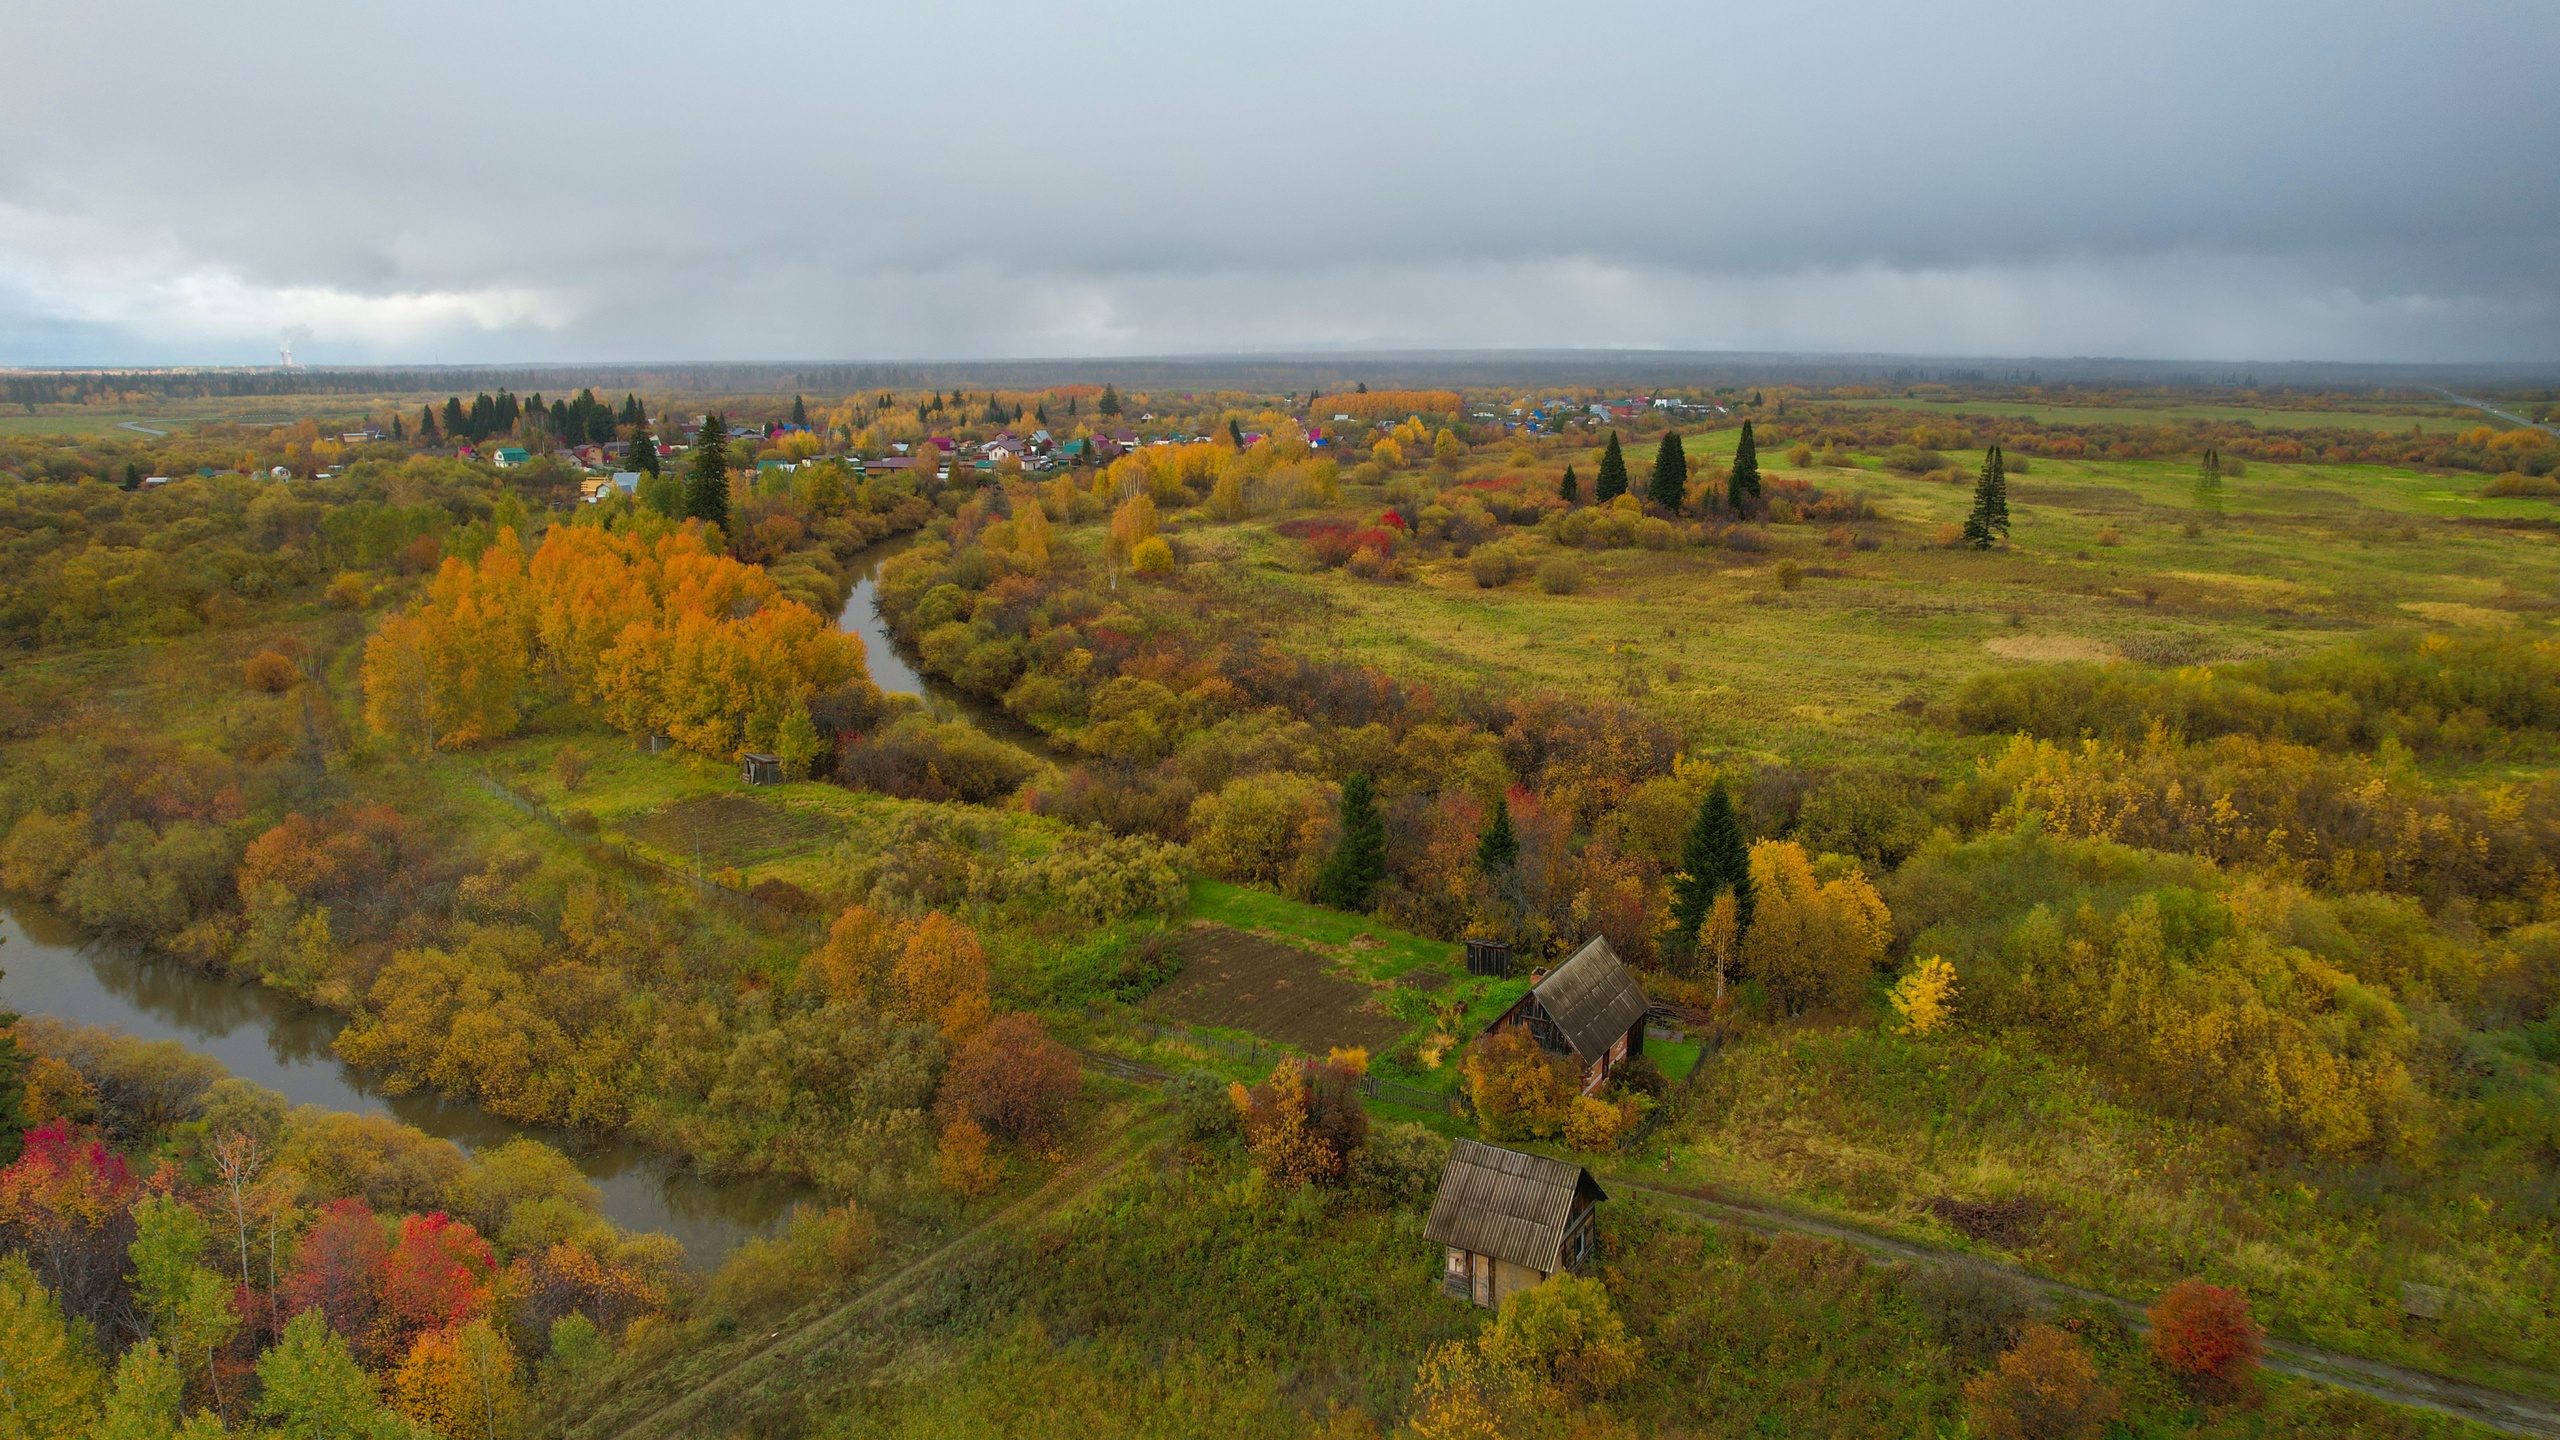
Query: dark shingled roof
1592	998
1506	1203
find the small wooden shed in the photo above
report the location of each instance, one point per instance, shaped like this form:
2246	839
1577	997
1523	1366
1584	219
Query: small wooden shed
1591	1010
1507	1220
760	769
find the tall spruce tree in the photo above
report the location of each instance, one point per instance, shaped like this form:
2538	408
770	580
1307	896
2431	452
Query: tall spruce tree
1109	404
643	456
1571	487
1990	515
1713	859
800	412
1497	847
1613	473
426	424
1359	860
1742	487
1670	473
706	475
2209	483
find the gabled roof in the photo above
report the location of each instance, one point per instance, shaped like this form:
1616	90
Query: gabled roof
1507	1203
1592	998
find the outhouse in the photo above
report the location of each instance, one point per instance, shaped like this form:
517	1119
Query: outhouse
760	769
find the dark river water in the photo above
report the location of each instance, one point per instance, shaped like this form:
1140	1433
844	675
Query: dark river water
272	1040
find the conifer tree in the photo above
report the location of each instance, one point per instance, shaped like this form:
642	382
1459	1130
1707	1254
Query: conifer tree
1109	404
800	412
1359	861
644	450
427	425
1571	489
398	432
1743	486
706	475
1497	848
1613	473
1713	859
454	422
1990	515
1235	432
1670	473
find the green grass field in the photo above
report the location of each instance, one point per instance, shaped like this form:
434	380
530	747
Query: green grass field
2101	566
2437	416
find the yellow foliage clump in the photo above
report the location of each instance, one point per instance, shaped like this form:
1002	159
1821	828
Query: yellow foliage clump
1813	943
1926	997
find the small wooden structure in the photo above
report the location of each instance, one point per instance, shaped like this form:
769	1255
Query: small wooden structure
1507	1220
1591	1011
1489	957
760	769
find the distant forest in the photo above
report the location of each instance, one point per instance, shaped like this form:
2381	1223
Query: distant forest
1424	369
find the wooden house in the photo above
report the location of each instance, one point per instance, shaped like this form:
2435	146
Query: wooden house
1506	1220
760	769
1590	1010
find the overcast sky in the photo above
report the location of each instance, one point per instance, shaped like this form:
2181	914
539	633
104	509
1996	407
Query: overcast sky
470	181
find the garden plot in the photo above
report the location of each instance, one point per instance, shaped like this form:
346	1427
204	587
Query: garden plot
726	831
1238	981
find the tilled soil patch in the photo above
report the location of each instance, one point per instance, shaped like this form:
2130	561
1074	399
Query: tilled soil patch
1242	981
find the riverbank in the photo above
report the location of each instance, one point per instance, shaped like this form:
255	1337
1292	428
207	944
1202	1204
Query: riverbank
274	1041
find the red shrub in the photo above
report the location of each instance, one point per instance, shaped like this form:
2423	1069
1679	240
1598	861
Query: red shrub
2204	1331
1011	1079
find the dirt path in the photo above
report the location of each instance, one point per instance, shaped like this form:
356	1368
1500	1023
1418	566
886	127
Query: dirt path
695	1413
2503	1410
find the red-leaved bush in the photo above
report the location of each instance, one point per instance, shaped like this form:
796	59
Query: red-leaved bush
2204	1331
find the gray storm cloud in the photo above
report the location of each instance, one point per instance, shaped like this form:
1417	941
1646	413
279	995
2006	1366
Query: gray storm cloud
178	183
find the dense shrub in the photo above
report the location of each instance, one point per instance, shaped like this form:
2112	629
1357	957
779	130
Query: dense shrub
1560	575
2204	1332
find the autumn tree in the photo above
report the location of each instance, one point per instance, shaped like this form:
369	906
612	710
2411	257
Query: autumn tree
460	1382
432	1277
1011	1079
1925	997
1670	488
1304	1124
1566	1331
1989	518
2045	1388
1359	860
1814	943
1742	485
1613	473
706	475
940	977
51	1382
337	1268
1519	1090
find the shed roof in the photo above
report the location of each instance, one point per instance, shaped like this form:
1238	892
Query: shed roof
1592	998
1507	1203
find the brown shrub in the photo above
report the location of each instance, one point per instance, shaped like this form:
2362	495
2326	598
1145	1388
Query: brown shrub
2045	1388
269	673
1012	1080
2204	1332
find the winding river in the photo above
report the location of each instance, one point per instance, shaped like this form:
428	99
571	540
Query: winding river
53	968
